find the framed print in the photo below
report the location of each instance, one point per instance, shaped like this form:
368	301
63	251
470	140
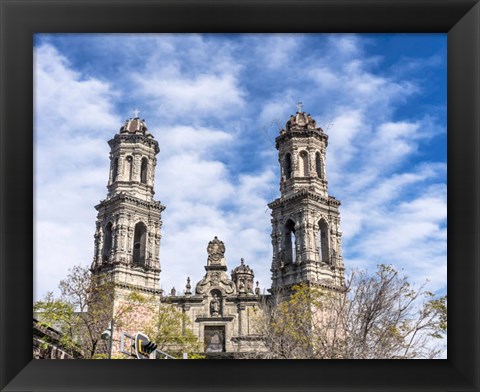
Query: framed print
30	25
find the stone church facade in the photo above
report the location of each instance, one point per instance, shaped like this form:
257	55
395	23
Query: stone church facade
222	308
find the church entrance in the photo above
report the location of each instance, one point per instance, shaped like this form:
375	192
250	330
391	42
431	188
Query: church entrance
214	338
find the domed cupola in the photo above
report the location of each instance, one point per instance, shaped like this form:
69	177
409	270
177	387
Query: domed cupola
135	125
243	277
301	121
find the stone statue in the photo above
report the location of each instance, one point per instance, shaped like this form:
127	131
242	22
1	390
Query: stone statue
215	306
241	287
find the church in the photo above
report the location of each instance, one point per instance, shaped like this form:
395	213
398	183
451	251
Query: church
306	236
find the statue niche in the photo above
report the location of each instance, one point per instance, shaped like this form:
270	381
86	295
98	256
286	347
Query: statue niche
216	304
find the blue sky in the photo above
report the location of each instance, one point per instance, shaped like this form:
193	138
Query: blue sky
215	104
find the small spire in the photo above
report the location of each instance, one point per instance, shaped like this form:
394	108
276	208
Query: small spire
299	106
136	113
188	287
241	261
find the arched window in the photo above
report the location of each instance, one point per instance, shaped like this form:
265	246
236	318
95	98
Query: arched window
114	169
139	243
287	165
318	164
303	164
323	250
129	168
290	242
143	173
107	241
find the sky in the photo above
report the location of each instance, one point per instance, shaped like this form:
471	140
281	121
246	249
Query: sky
215	104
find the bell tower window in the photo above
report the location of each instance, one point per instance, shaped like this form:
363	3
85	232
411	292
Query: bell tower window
129	167
303	164
143	172
287	165
318	164
323	250
107	241
114	169
139	243
290	242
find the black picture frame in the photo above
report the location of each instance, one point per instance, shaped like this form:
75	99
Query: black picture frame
21	19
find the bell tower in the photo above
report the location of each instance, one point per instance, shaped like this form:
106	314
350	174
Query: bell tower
128	226
306	235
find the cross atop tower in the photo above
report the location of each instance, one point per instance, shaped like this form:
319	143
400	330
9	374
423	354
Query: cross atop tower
299	106
136	113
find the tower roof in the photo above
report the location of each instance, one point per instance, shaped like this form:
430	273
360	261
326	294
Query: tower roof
135	125
301	121
242	269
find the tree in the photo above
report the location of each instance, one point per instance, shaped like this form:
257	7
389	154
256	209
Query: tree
171	331
81	313
59	316
85	309
377	316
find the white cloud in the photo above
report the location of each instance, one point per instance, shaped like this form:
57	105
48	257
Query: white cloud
205	113
277	49
70	115
64	102
209	95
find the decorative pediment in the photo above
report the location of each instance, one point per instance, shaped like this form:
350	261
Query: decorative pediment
215	280
216	252
216	276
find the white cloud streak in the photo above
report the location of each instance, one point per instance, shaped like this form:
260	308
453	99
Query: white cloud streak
207	114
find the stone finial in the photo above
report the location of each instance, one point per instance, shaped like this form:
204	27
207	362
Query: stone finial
188	287
173	291
257	289
299	106
136	113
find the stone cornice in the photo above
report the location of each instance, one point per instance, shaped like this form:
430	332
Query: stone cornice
138	288
183	299
243	298
304	193
300	133
125	198
248	338
111	265
134	138
226	318
285	290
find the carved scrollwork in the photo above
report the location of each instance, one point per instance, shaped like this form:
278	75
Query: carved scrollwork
216	251
202	286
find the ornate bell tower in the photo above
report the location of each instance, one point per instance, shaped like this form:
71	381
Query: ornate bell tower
128	227
306	235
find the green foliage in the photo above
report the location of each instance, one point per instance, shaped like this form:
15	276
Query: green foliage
377	316
58	315
172	332
85	309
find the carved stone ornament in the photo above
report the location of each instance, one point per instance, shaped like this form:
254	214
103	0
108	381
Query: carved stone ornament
215	309
215	279
301	120
216	252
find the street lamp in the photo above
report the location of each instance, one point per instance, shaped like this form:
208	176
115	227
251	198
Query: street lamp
108	334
